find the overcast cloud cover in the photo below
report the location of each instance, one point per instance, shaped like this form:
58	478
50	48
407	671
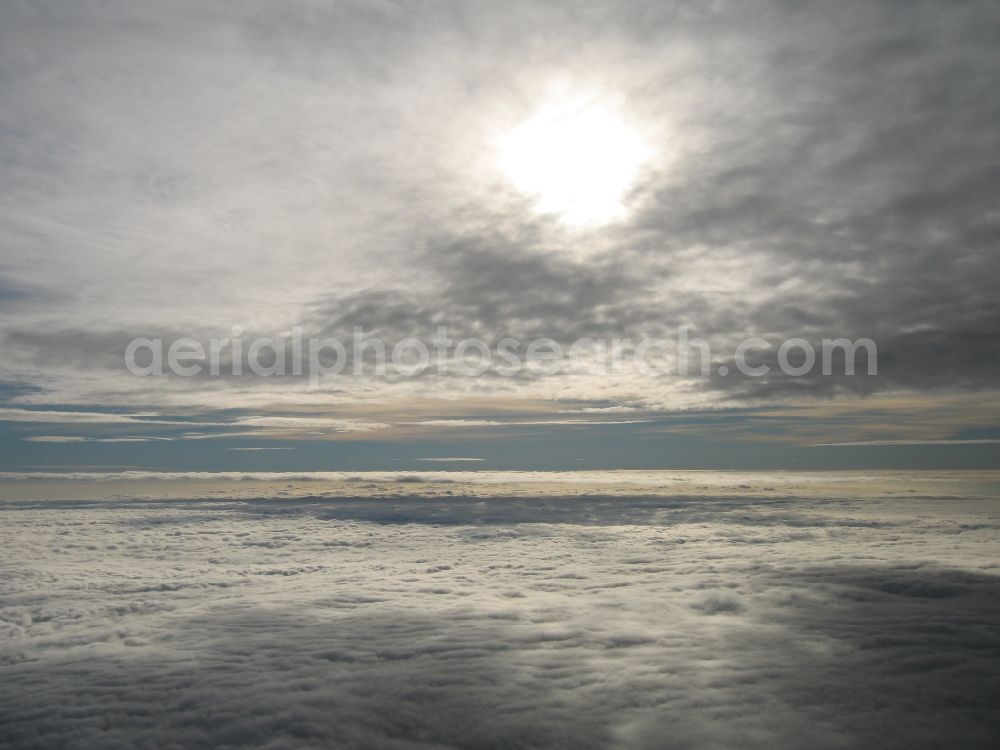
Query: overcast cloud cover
817	170
603	610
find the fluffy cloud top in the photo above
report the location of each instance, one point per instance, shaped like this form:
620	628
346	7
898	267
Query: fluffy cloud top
542	614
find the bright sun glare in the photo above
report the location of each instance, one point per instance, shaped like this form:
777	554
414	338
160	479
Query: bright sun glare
576	159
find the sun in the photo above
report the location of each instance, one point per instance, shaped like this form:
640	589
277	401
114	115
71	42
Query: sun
576	159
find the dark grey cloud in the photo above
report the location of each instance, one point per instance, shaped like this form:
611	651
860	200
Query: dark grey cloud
492	287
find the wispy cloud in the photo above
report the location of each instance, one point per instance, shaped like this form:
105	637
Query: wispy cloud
983	441
84	439
263	448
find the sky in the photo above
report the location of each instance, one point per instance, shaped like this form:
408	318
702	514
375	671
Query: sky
566	171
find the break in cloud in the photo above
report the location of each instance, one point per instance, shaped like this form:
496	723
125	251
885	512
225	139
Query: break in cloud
817	170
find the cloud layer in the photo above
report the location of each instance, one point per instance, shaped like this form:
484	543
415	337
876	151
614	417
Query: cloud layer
403	617
820	172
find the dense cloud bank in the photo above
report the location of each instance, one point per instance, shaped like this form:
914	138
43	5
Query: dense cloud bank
590	621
